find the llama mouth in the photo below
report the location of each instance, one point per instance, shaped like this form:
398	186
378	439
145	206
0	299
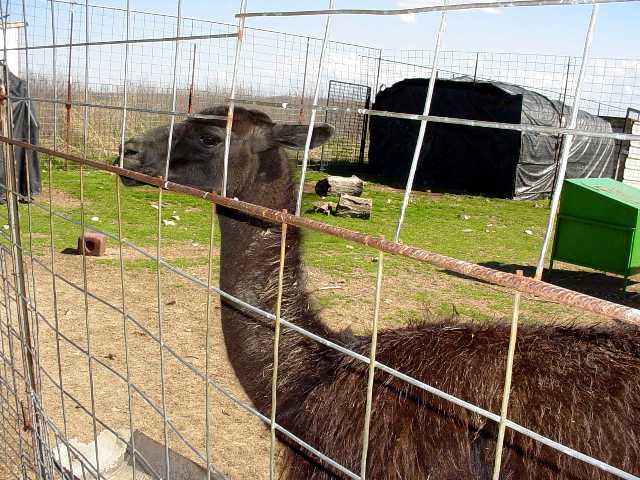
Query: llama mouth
129	182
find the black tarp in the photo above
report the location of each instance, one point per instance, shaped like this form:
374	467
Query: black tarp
493	162
25	128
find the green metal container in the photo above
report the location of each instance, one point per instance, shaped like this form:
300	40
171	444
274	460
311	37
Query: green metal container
597	226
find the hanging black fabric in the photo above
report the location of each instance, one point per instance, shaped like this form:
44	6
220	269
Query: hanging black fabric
25	128
493	162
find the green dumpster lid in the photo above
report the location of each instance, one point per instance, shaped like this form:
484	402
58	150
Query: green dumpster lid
610	188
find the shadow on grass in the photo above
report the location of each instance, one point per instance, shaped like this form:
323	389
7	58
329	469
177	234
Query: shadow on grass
594	283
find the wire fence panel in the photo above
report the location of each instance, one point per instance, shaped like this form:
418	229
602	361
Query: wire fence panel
275	67
149	404
135	356
611	85
349	145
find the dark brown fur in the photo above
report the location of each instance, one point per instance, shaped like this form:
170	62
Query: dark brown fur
578	385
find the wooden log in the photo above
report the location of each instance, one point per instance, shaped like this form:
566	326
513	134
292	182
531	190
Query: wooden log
334	185
350	206
324	207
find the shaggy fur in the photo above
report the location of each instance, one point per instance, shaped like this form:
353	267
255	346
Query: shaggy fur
578	385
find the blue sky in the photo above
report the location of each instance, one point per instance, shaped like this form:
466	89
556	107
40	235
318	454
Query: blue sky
547	30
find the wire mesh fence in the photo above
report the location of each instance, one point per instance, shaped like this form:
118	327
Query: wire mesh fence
350	143
91	345
611	84
275	68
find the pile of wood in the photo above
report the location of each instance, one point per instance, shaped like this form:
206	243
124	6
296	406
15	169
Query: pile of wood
348	190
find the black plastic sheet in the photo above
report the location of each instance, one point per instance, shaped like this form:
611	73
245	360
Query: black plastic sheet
25	128
487	161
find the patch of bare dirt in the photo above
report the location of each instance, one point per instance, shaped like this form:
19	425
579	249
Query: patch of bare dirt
181	250
59	199
239	442
420	293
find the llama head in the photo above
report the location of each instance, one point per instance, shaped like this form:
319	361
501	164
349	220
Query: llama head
198	144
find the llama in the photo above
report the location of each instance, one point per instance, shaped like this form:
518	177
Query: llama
577	384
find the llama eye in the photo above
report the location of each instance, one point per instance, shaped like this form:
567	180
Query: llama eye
128	153
208	140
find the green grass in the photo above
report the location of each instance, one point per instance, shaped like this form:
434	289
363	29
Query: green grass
472	228
139	217
494	231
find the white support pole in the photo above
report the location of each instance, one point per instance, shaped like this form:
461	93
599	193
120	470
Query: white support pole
123	129
312	120
506	391
160	304
566	145
232	96
372	368
423	125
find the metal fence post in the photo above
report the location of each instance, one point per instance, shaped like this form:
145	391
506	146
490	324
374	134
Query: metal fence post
365	128
18	268
304	86
559	138
368	105
376	86
69	93
566	144
506	392
475	70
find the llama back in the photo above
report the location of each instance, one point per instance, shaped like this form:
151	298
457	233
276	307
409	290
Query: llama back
578	386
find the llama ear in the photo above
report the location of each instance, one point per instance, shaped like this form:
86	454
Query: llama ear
295	136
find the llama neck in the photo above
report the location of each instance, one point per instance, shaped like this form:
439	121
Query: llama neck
249	263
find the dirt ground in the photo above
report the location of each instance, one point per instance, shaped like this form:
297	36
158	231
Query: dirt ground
238	441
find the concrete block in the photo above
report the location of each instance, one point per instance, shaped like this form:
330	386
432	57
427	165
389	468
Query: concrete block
115	458
94	244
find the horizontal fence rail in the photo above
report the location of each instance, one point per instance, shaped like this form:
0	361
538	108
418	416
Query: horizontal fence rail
519	127
539	129
125	42
527	285
434	8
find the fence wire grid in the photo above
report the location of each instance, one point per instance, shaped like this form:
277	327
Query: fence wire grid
275	67
97	75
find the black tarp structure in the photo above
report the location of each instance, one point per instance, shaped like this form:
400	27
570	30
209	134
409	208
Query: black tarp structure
25	128
487	161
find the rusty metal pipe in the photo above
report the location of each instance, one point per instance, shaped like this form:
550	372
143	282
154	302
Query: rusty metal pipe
525	285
